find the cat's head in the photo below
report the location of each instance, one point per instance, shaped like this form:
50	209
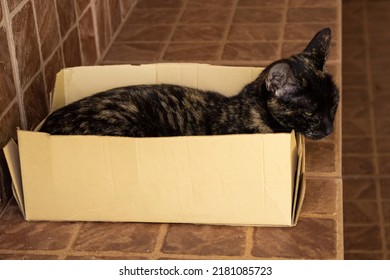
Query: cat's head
303	95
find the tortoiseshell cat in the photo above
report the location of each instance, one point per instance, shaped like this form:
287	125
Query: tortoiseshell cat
293	93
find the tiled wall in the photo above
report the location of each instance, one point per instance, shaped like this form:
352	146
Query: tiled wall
37	39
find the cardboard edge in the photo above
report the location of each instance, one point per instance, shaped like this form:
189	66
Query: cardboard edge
300	182
11	152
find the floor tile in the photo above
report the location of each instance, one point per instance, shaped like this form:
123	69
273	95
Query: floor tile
312	15
152	4
134	32
18	234
205	240
359	188
360	212
154	16
322	196
255	32
357	127
357	145
215	4
15	256
364	256
250	51
195	32
258	15
362	238
321	157
306	31
385	187
383	144
298	242
386	211
126	53
220	16
261	3
358	165
122	237
192	52
384	164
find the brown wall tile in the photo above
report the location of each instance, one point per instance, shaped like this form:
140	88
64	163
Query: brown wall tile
35	103
7	88
12	4
25	37
8	124
126	6
47	26
115	15
66	15
72	55
52	67
81	5
87	37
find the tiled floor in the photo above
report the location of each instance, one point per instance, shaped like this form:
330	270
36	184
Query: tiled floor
366	129
233	32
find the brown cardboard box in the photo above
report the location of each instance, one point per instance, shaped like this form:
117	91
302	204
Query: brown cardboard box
251	179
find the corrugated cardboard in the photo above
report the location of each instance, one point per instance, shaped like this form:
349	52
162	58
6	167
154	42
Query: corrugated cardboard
253	179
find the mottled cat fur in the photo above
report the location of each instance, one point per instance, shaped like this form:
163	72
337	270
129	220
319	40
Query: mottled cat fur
293	93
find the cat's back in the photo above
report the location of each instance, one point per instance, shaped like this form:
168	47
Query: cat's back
145	110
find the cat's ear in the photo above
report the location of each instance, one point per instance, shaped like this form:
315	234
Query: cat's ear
280	80
318	48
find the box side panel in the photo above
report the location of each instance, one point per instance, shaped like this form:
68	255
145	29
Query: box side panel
217	180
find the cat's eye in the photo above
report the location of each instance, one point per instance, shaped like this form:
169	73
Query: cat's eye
308	113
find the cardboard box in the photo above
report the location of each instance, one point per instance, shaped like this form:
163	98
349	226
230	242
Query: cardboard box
251	179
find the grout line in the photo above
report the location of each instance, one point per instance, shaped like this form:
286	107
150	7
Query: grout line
160	241
249	236
66	252
8	107
95	31
373	130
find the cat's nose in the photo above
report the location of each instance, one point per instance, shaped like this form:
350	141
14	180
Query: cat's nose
328	129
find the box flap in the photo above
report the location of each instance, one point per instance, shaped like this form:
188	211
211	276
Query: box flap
300	182
11	153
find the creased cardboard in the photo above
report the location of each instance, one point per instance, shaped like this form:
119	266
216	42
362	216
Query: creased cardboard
252	179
